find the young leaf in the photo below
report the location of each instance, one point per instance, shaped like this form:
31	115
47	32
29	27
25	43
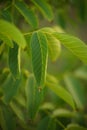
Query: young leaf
75	45
10	30
27	13
61	92
44	8
7	121
10	88
14	60
39	55
6	39
54	47
34	97
76	89
75	127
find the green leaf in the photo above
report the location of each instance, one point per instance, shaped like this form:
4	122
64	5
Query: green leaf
10	88
75	45
63	113
44	8
14	60
54	47
47	124
27	13
12	32
39	55
75	127
61	92
7	121
6	39
76	90
34	97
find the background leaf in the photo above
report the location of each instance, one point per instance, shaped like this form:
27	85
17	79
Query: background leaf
75	127
6	15
34	97
27	13
10	88
76	89
81	72
28	39
14	60
7	121
44	8
61	92
47	124
18	111
63	113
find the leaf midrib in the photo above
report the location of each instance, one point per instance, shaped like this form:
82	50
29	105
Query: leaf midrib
41	55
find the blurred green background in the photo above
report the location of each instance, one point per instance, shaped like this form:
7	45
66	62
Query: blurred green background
69	16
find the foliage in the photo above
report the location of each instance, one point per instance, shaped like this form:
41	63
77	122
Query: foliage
30	97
